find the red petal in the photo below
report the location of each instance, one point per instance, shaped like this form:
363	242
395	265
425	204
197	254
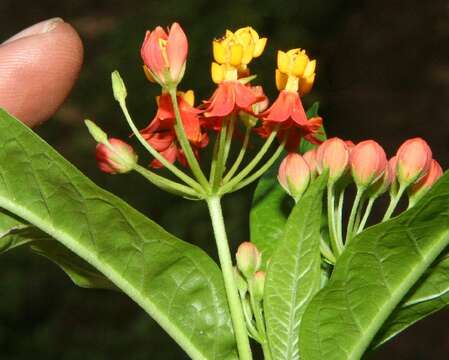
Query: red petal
177	48
280	110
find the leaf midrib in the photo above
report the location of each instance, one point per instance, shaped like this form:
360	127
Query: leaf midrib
82	251
369	331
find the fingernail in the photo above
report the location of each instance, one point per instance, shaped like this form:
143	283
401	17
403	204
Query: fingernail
36	29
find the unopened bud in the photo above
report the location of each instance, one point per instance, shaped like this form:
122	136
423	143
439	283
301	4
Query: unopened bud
249	259
310	158
419	189
413	161
368	161
118	87
258	285
115	157
99	135
294	175
333	154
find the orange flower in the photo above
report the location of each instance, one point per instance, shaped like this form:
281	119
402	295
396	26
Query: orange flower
161	135
231	96
288	113
164	55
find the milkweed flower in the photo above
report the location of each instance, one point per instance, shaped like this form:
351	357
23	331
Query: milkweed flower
232	54
164	55
115	156
295	75
161	135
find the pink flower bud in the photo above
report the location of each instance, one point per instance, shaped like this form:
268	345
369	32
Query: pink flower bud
258	285
413	161
115	157
368	161
165	54
294	175
427	181
333	154
249	259
310	158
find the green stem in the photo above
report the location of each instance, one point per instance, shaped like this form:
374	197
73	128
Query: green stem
181	175
337	248
394	200
185	143
240	157
166	184
224	254
249	321
366	215
354	211
218	154
226	188
327	252
253	163
260	323
339	220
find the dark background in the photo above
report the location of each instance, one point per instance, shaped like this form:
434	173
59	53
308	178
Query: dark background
383	73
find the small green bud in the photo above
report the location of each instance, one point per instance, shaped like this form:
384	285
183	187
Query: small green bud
118	87
99	135
258	285
249	259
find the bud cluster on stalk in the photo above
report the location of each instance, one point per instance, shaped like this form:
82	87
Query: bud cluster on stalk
250	282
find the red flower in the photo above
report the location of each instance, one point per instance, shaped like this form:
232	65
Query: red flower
117	157
288	113
230	96
161	135
161	51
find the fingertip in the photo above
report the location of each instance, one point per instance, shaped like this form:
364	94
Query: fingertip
38	68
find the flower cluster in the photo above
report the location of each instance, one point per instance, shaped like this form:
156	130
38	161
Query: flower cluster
179	130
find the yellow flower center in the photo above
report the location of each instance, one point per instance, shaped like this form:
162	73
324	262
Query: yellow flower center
295	72
234	52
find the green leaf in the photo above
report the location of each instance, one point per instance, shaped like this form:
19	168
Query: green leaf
175	282
271	206
373	275
294	273
15	233
430	295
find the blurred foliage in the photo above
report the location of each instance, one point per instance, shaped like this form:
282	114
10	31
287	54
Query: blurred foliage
382	71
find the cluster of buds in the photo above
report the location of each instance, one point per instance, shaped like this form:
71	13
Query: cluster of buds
365	164
250	282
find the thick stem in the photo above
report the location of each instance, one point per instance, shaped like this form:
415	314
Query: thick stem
185	143
354	212
181	175
393	203
224	254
